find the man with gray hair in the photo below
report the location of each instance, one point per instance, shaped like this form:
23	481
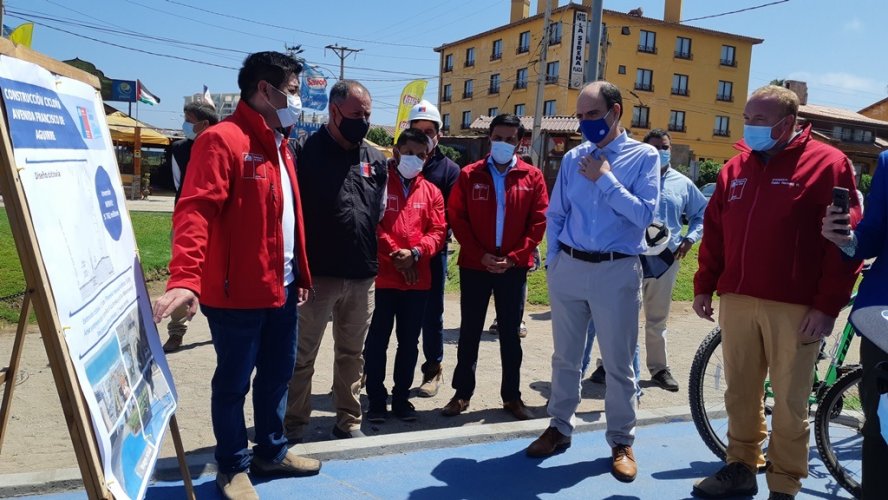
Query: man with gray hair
603	201
344	184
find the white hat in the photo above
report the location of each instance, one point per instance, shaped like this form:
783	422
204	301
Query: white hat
657	238
424	110
657	259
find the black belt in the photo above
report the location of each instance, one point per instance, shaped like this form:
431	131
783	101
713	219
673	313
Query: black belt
594	257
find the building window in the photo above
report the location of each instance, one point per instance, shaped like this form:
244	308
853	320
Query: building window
647	42
682	47
552	72
727	56
447	93
677	121
680	84
555	33
445	119
466	119
470	56
448	62
621	69
722	126
497	52
519	109
494	84
524	42
644	79
641	117
492	112
549	108
725	91
468	88
521	79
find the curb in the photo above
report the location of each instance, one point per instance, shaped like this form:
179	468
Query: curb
203	464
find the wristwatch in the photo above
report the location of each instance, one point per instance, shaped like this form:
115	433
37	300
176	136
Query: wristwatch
415	253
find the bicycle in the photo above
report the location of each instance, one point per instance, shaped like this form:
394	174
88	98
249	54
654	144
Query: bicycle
835	398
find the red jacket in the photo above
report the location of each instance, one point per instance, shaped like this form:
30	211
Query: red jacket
472	214
412	220
761	230
227	235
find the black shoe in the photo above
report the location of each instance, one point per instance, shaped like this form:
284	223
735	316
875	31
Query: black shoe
377	414
341	434
664	379
404	410
776	495
734	479
598	376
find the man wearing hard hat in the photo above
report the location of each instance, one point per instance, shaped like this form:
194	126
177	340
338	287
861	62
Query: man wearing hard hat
442	172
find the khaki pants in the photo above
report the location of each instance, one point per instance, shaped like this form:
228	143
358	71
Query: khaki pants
759	338
657	299
351	303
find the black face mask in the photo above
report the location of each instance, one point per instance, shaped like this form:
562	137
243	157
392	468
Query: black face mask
353	130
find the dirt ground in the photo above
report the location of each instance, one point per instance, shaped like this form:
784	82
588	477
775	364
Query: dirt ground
37	437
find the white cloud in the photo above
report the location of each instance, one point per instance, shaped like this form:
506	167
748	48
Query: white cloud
853	25
839	82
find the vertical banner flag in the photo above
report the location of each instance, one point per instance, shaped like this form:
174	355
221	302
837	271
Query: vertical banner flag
411	95
144	95
21	35
207	97
578	50
314	89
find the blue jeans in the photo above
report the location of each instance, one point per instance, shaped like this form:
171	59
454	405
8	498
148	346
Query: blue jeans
403	308
433	321
244	339
587	358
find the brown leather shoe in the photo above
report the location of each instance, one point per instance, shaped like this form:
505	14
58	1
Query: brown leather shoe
624	468
291	465
518	409
547	444
236	486
173	344
455	407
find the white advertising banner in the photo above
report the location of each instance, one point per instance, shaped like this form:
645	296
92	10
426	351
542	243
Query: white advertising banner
69	175
578	49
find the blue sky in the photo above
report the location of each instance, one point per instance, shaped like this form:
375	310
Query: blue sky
835	49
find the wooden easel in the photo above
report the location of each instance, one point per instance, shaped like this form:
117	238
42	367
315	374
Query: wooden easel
76	413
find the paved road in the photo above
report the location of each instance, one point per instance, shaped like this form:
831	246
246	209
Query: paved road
671	457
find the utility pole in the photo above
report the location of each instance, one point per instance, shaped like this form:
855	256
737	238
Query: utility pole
342	53
536	148
595	16
2	8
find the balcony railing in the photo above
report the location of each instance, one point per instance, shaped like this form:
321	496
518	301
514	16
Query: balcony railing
680	91
721	132
728	62
446	97
679	54
496	56
676	127
448	68
521	84
641	124
522	49
648	49
644	86
724	97
551	79
493	90
467	94
471	63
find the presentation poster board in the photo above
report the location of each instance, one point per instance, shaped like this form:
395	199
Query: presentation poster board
63	152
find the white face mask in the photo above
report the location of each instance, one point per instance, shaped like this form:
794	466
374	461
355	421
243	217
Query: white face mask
289	115
410	166
502	152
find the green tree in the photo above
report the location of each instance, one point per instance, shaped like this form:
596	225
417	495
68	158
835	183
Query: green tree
779	83
866	181
449	152
707	172
380	136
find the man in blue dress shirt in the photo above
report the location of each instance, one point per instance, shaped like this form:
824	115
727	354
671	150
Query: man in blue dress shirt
604	199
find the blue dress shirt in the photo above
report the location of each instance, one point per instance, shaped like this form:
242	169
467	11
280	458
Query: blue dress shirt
679	196
499	184
612	213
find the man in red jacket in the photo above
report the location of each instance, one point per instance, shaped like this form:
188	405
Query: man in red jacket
781	286
239	251
497	210
410	235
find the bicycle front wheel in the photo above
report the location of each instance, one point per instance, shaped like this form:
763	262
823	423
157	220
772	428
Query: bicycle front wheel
706	391
838	429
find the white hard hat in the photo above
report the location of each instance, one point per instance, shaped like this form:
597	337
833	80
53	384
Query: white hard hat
424	110
657	259
657	238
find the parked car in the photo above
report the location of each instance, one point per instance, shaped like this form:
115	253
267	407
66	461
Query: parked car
707	190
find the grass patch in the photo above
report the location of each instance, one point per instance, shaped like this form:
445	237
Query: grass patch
152	237
538	290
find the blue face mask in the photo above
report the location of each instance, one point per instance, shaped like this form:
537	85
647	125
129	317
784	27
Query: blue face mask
758	137
595	131
188	130
665	158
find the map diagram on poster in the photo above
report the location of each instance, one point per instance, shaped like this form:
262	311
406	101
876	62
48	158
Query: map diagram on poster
72	185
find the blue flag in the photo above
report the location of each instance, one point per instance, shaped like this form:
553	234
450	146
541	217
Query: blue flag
314	89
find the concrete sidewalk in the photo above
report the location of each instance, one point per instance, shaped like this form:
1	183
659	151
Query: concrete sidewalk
670	456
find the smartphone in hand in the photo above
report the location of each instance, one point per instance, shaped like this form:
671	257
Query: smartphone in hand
842	200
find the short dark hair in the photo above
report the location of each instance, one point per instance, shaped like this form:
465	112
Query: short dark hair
343	88
273	67
508	120
437	127
412	135
656	133
202	111
611	94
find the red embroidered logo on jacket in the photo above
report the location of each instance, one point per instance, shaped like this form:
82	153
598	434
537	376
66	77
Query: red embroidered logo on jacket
480	192
366	169
737	186
254	166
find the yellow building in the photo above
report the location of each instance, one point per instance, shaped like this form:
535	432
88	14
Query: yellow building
692	81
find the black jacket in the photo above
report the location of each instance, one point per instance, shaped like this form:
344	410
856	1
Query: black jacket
181	151
343	196
443	173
